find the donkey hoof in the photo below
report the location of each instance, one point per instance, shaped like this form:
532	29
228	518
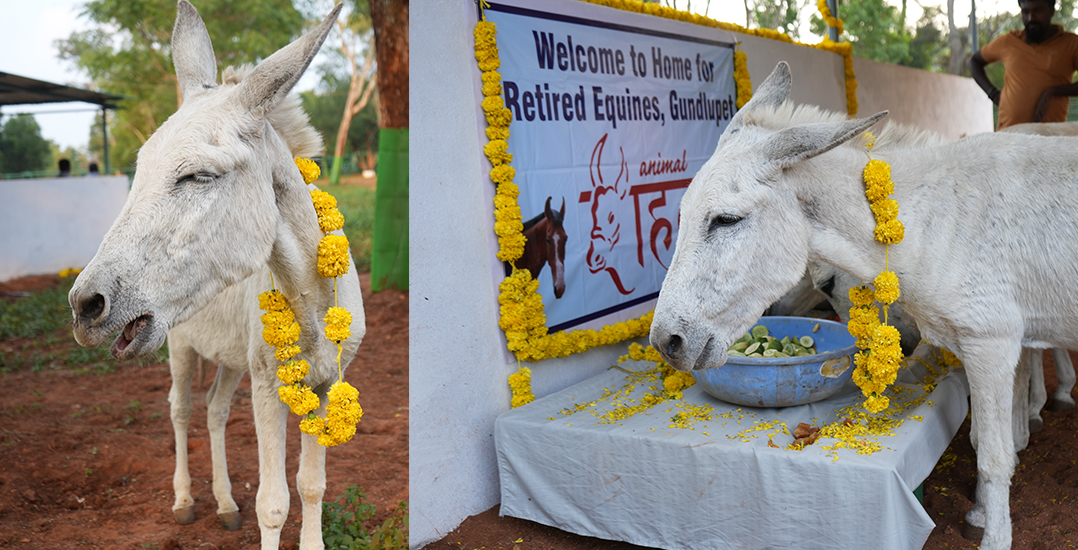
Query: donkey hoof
972	532
185	516
231	521
1058	405
1036	425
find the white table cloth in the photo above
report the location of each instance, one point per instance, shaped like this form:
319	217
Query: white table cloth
643	482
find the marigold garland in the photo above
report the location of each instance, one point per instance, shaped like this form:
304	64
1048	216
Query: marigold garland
828	17
281	331
521	384
876	366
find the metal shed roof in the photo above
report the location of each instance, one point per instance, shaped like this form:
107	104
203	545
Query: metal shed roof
20	90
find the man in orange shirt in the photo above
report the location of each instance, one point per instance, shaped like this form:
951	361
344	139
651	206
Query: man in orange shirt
1039	61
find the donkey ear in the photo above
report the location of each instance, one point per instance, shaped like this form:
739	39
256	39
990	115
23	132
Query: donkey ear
273	78
771	93
192	51
803	142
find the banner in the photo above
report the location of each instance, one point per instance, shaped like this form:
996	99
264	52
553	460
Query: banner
610	122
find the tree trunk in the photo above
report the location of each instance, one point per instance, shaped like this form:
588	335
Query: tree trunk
390	20
957	58
359	93
389	258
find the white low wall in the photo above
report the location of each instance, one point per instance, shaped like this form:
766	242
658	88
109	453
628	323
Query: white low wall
52	224
458	362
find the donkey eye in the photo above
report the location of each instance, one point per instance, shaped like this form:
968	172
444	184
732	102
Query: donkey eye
723	220
197	177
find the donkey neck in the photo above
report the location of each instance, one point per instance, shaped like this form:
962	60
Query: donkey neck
831	193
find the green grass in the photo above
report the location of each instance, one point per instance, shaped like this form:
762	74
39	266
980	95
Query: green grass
40	313
45	317
357	205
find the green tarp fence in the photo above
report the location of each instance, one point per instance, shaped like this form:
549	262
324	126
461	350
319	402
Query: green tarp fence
389	261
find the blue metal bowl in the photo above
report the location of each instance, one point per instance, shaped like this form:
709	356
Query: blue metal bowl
786	381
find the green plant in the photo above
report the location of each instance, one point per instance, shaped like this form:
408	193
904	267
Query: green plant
344	524
393	533
39	313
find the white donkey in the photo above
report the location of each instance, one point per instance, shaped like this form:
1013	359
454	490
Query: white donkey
217	204
989	262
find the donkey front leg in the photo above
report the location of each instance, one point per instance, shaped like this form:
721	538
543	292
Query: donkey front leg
271	417
311	483
182	359
219	400
1061	398
990	367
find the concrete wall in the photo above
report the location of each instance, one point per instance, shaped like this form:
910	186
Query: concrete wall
950	105
55	223
458	361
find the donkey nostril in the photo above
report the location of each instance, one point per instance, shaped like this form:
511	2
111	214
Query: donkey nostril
92	307
673	345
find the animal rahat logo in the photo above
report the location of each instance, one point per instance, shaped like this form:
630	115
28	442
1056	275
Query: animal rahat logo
605	202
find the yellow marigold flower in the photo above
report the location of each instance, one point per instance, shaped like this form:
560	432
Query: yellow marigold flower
877	403
519	400
497	132
280	329
341	392
312	425
330	220
308	169
485	35
950	359
503	175
890	232
299	398
323	201
338	322
293	371
333	256
271	300
498	152
886	287
885	210
878	182
861	296
284	353
742	79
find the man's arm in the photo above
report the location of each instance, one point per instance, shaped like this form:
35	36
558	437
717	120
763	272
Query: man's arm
976	69
1052	92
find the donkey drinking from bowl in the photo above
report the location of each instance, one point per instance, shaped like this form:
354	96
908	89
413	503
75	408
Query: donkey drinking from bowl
217	204
988	263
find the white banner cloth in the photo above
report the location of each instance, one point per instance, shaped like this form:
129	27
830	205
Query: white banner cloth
643	482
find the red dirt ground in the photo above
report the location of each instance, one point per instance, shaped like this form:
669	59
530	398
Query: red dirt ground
1043	494
86	459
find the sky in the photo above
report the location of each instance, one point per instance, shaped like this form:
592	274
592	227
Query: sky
29	28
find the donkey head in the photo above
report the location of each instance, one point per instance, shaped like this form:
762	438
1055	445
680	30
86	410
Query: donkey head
743	239
203	212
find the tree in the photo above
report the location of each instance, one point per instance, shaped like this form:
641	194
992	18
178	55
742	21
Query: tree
361	83
927	43
324	107
127	51
780	15
874	28
389	262
21	146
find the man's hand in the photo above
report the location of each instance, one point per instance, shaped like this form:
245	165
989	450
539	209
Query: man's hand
1042	105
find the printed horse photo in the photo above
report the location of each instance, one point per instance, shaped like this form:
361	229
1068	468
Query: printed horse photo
986	268
217	210
545	246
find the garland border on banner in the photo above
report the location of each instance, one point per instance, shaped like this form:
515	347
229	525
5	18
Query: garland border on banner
521	307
